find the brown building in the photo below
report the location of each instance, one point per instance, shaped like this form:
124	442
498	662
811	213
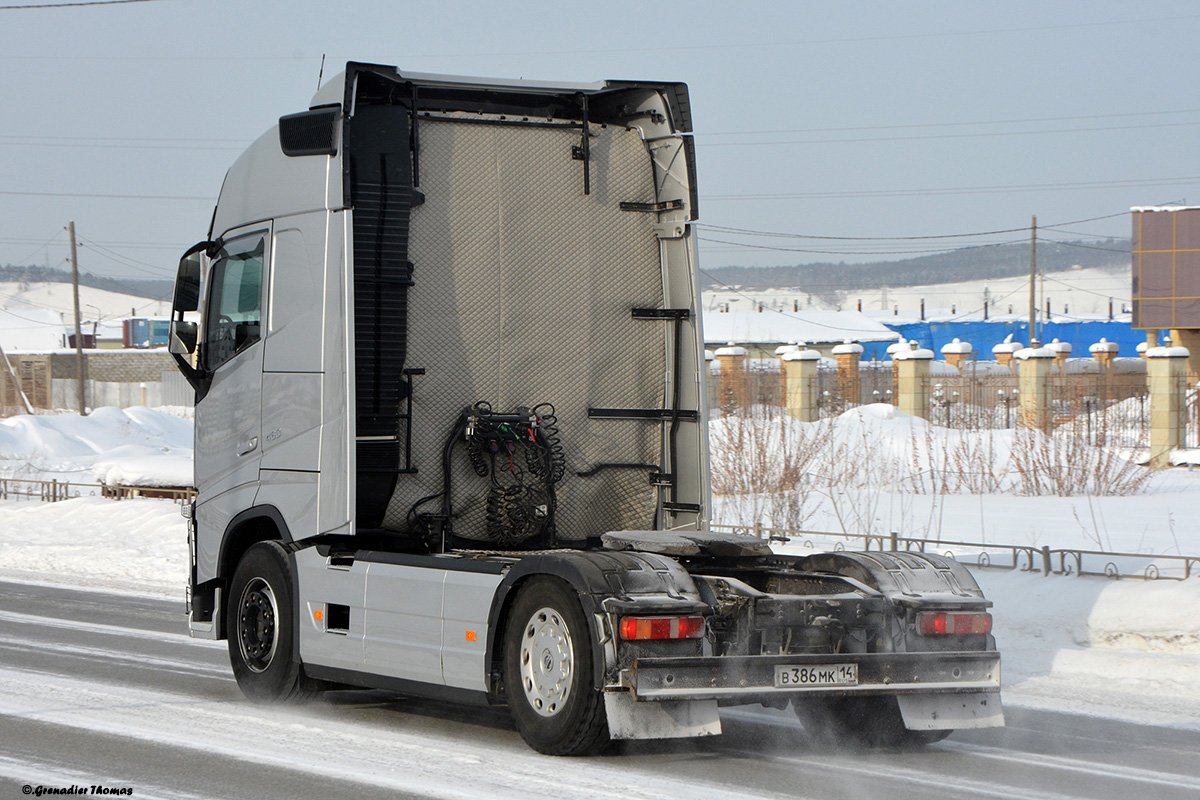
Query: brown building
1166	275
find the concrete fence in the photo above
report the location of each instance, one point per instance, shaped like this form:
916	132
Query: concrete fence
1147	402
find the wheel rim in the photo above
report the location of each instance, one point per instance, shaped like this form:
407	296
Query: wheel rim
547	662
258	629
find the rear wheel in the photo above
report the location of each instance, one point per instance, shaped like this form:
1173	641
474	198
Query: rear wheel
548	672
860	722
260	622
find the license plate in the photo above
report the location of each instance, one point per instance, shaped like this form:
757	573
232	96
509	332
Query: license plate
824	675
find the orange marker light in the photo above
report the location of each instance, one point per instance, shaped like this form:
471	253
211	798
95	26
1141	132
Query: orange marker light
470	636
318	615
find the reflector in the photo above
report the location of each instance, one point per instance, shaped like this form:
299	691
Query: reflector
662	627
938	623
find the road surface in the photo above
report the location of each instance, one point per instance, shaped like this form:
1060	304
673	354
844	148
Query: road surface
108	690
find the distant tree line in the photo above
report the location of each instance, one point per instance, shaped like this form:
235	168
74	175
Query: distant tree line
150	289
987	262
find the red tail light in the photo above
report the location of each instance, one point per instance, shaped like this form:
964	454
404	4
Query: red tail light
662	627
938	623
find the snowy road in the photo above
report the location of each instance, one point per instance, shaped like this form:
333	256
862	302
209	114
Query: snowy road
101	689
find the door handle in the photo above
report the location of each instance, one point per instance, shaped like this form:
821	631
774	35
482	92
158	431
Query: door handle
247	446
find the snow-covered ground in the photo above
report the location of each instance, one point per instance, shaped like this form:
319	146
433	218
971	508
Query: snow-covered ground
1125	649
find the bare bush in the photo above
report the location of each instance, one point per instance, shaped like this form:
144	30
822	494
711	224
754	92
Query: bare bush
1065	464
761	463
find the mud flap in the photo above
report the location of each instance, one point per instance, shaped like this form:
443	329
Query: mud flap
669	719
959	711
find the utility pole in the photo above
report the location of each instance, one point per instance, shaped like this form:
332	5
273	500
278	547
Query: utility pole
81	368
1033	337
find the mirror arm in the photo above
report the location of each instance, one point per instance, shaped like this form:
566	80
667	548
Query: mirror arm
196	378
209	248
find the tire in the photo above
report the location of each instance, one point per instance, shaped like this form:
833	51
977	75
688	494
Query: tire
861	722
548	672
261	625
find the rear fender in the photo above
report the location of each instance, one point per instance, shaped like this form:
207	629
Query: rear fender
913	582
649	581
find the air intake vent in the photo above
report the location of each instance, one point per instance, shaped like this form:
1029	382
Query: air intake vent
309	133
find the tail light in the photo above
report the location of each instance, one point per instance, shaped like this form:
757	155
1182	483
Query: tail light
662	627
939	623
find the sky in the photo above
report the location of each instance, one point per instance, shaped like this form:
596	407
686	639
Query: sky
841	131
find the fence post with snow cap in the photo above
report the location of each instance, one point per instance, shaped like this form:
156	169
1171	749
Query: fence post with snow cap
847	355
1004	351
1165	373
803	386
901	346
957	353
1105	352
912	377
780	352
1033	386
1061	351
733	375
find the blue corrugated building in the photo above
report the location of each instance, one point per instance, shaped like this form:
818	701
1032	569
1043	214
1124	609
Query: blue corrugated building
984	335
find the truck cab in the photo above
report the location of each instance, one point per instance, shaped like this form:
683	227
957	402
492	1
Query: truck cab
451	435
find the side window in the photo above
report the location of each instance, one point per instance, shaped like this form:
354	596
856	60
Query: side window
234	318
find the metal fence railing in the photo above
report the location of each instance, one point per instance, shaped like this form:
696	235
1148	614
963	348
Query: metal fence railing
992	555
54	491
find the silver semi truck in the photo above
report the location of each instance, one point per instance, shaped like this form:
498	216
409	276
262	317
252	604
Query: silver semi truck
451	437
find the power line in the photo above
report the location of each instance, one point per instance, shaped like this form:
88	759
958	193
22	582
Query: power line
1083	246
950	124
840	40
961	190
777	311
128	139
833	252
782	234
39	322
124	260
108	196
976	135
75	4
40	247
129	245
139	147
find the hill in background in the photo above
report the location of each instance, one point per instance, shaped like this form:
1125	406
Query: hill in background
990	262
150	289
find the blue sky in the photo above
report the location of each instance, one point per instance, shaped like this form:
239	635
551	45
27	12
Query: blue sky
870	121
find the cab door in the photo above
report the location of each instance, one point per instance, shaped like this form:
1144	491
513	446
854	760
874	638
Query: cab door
228	445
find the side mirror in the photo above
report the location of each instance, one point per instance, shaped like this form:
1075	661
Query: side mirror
182	339
187	283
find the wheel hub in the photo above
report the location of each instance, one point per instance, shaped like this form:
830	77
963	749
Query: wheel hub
257	631
547	661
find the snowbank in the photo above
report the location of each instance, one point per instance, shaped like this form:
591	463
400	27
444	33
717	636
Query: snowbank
111	445
134	546
1124	649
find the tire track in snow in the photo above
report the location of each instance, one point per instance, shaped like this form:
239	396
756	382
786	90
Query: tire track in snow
1086	767
1021	760
58	775
429	763
106	629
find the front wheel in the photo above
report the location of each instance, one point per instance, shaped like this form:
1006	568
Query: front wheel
548	672
262	628
860	722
